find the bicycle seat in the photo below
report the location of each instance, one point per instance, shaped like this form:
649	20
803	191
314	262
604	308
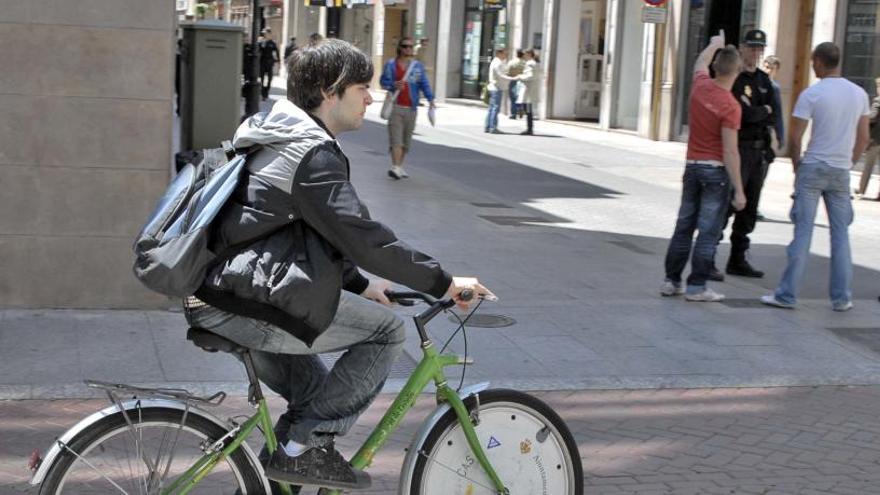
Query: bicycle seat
212	342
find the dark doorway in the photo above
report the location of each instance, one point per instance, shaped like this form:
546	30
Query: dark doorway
705	19
725	15
334	16
480	37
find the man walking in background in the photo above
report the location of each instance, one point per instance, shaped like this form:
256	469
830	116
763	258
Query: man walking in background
269	54
405	76
839	110
873	153
712	165
753	91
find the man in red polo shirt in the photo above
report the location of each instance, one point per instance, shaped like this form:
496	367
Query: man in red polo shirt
712	165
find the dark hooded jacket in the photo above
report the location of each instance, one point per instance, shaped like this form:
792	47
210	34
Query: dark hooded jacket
311	230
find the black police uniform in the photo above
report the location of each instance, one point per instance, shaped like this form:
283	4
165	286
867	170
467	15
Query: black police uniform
754	92
268	53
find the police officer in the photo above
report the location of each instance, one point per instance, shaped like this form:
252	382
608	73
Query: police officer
753	90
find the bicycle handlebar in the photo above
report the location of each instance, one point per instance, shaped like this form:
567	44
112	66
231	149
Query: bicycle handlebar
405	298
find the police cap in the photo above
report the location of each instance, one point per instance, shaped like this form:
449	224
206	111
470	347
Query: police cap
755	37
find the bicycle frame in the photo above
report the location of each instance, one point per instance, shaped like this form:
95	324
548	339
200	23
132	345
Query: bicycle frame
262	419
429	369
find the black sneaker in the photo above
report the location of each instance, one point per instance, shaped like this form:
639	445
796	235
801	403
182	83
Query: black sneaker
318	466
742	268
715	275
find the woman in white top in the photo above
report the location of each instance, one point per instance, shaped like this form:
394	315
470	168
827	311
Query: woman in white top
529	95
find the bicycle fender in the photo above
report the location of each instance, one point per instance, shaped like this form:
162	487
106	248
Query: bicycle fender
412	454
130	405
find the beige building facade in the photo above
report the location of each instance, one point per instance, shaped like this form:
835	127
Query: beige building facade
85	147
602	63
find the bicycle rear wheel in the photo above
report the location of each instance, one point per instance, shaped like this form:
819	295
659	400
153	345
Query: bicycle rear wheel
527	443
109	457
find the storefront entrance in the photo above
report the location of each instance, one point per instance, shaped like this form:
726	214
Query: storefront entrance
481	33
705	19
591	59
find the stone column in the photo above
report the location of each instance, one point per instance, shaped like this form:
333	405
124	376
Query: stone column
378	42
85	148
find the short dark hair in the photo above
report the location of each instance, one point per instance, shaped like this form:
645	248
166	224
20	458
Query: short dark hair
520	53
328	66
727	61
828	53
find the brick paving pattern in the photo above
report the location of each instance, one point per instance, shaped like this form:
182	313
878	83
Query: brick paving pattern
803	440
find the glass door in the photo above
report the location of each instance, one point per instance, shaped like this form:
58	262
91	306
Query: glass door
470	63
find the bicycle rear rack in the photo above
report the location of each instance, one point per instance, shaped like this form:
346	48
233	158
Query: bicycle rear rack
115	389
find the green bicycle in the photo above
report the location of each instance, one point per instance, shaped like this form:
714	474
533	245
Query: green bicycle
164	441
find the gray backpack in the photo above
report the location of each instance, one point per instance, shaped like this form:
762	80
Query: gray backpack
172	255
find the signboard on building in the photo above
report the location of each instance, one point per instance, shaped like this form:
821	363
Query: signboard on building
501	36
492	5
654	15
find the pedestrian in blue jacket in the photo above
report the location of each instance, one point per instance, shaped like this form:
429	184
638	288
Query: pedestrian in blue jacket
405	76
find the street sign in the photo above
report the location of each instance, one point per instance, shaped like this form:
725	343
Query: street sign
654	15
493	5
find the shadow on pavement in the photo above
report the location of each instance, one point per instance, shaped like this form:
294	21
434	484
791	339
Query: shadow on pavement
517	184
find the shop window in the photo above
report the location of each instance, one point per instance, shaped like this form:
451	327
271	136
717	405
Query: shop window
862	43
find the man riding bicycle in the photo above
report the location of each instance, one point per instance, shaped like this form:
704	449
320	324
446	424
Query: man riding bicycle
296	291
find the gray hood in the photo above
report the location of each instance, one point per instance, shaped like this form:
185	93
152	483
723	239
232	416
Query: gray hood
286	130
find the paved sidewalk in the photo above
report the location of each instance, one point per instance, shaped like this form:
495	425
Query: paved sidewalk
650	442
569	228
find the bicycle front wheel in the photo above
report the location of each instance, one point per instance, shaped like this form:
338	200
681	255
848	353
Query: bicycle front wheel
527	443
111	457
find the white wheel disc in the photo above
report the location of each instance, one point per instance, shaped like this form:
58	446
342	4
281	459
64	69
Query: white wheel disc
526	451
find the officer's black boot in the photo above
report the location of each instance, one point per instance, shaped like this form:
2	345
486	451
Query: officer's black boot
715	274
740	266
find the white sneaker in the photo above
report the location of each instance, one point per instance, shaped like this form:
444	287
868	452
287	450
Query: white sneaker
770	300
402	172
708	295
842	307
670	289
395	173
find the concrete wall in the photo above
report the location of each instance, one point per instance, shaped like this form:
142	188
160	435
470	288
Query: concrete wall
85	147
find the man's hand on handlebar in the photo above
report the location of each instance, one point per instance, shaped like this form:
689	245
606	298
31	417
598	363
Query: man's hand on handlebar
376	291
471	284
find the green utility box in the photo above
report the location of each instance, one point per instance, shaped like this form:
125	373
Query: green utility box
210	83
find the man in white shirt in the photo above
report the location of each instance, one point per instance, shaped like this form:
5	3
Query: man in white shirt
839	110
497	86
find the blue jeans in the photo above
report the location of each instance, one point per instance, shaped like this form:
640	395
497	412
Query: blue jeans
513	92
705	197
320	403
815	179
494	107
